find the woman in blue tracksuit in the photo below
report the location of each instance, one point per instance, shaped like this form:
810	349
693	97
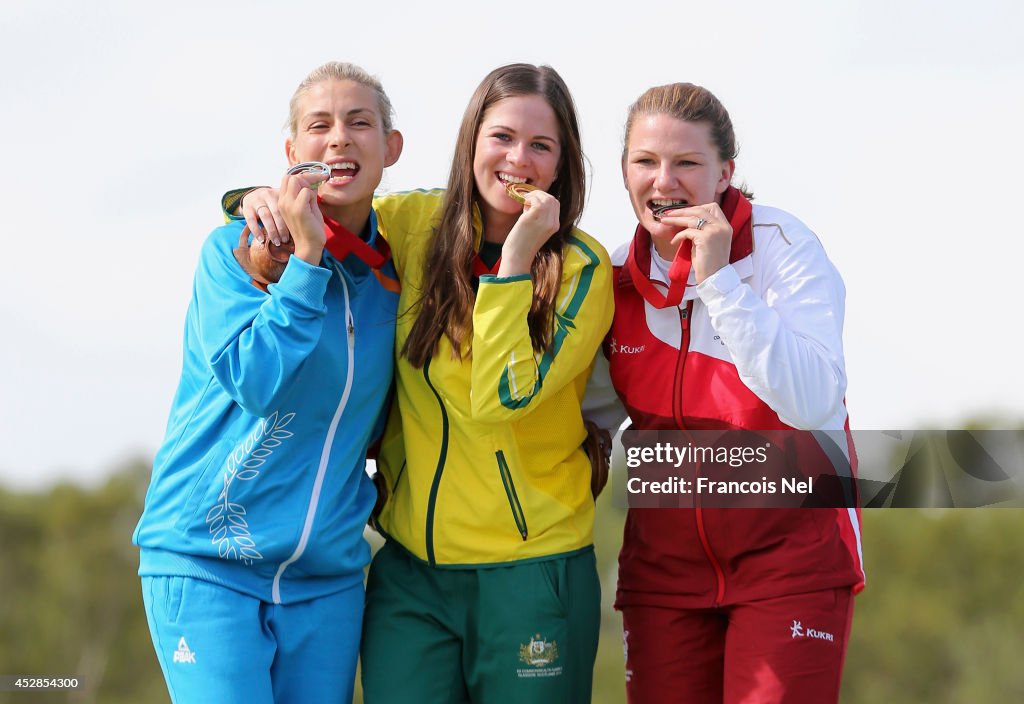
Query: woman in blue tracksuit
252	551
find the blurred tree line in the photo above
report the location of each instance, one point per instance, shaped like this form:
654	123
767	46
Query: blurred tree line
942	619
70	603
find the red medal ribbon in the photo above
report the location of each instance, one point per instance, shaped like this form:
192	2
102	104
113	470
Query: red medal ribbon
341	242
481	269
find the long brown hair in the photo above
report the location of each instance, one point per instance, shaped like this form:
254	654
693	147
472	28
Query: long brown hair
690	103
446	306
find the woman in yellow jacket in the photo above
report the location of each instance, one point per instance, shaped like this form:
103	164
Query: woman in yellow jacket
487	589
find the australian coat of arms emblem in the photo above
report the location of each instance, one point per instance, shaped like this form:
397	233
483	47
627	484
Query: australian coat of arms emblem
538	652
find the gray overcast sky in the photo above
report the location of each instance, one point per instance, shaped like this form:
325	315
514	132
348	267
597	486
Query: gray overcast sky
892	128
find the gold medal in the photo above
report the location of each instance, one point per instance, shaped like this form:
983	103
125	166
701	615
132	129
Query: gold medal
518	191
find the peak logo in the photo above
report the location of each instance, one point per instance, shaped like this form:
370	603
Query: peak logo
797	630
183	654
616	348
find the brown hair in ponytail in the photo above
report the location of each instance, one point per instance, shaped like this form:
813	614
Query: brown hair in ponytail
690	103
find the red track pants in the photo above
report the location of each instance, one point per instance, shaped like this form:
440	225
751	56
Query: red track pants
786	650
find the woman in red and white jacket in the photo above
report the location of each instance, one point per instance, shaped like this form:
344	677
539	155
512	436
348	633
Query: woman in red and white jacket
728	316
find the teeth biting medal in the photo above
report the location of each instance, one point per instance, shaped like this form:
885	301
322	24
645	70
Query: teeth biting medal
311	167
518	191
662	209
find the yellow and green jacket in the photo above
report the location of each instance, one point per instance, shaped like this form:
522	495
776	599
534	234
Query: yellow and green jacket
482	456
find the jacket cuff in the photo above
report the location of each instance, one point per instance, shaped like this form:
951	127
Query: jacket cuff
501	301
718	284
495	279
304	282
231	202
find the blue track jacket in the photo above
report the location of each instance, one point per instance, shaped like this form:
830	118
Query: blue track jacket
260	484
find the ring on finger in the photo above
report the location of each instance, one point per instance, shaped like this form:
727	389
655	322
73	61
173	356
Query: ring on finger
701	222
262	207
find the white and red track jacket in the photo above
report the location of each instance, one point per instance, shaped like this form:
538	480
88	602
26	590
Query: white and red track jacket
758	346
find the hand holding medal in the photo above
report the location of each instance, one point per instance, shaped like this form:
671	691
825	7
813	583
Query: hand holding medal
263	260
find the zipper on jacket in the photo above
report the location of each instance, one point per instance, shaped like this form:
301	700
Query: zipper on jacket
398	478
685	316
442	456
684	348
719	574
325	452
510	492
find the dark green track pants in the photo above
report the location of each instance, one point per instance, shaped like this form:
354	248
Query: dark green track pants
518	633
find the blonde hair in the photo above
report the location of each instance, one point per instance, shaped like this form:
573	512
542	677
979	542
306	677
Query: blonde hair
341	71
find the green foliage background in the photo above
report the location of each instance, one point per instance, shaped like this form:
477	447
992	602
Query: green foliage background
942	619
